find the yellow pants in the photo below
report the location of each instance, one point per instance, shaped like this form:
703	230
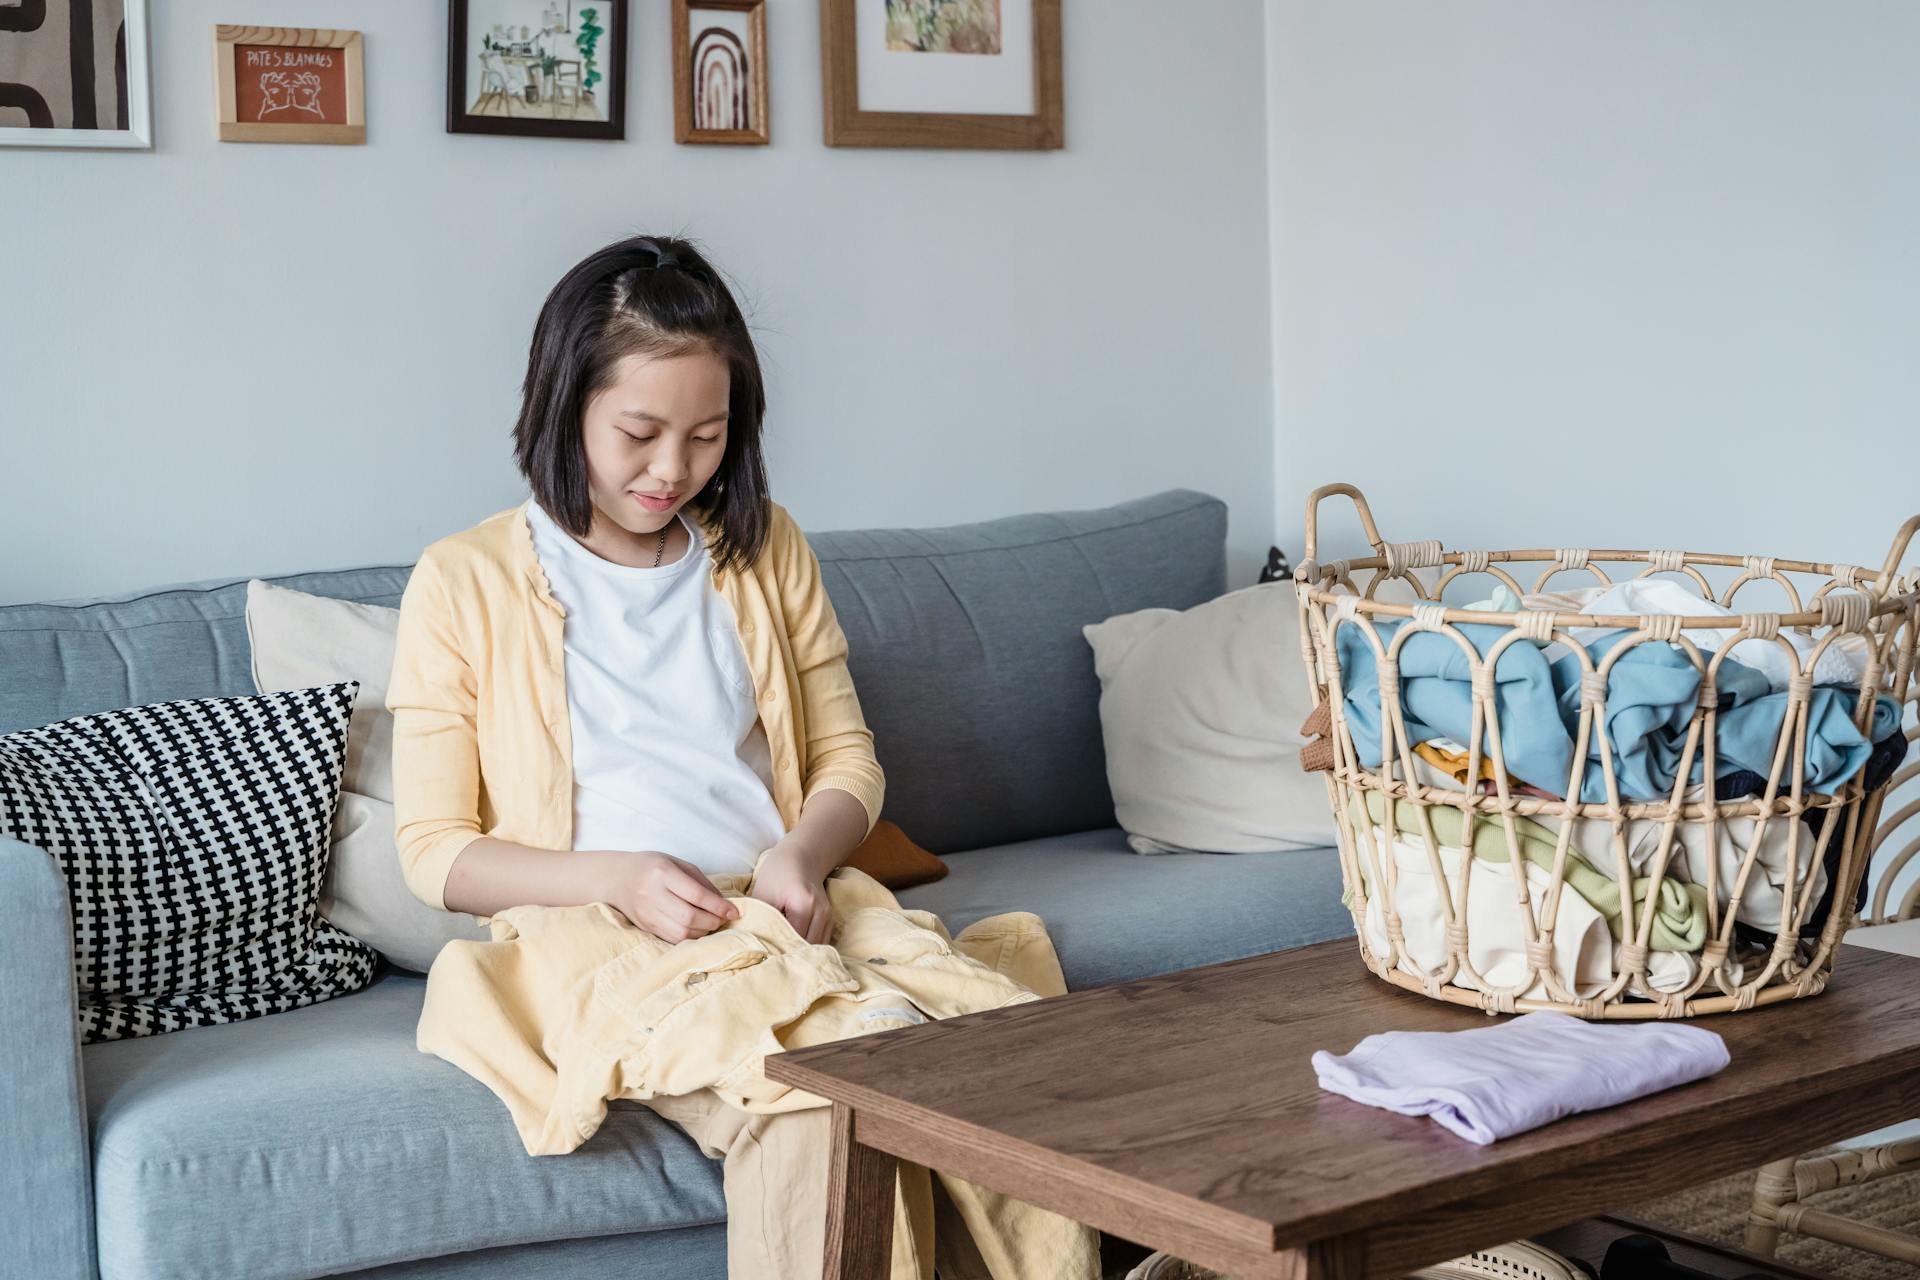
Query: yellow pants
569	1008
776	1178
776	1187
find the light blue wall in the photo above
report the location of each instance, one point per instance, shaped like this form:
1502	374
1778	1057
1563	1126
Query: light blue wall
222	359
1633	273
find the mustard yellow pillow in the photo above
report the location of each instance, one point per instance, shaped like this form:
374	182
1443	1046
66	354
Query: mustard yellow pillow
894	860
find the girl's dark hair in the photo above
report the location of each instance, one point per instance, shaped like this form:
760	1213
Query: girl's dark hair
648	296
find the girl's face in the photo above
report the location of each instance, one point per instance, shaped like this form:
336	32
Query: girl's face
658	431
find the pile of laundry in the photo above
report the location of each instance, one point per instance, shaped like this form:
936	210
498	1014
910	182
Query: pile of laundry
1651	693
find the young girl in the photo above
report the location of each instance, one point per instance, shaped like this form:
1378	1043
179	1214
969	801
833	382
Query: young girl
635	679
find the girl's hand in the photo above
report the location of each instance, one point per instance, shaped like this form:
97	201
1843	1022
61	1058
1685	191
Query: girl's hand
669	897
786	882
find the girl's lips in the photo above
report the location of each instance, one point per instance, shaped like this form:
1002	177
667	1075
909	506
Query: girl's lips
655	501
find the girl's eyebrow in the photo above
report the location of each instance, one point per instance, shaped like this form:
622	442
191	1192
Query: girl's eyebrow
648	417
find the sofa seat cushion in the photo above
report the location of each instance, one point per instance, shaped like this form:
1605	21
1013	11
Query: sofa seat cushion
1115	914
320	1141
1901	937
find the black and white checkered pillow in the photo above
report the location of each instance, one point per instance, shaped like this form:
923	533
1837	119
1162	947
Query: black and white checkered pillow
194	837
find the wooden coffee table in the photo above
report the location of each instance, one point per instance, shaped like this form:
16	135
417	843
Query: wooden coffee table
1181	1112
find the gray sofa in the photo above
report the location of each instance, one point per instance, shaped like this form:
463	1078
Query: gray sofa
320	1142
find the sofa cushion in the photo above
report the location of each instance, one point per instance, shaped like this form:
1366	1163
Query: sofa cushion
964	642
322	1140
690	1253
965	648
189	640
1901	937
1200	713
1114	915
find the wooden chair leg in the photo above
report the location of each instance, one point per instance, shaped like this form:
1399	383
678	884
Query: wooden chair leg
1773	1187
1850	1168
860	1192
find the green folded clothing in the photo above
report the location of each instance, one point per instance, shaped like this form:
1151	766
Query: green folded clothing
1679	923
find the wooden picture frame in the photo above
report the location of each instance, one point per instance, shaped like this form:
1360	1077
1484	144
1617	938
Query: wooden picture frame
848	124
312	79
726	89
544	85
99	80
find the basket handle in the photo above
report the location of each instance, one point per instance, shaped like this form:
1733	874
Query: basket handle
1895	553
1325	491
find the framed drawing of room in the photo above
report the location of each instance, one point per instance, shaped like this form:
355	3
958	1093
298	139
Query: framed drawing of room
942	73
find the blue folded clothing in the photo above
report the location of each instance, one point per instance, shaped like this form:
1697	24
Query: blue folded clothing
1651	693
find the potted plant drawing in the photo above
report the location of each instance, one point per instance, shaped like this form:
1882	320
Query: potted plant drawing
588	41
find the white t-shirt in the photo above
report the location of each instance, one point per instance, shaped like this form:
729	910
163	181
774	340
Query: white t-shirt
668	749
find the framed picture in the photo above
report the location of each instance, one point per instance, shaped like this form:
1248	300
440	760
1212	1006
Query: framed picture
720	71
942	73
537	68
75	75
289	84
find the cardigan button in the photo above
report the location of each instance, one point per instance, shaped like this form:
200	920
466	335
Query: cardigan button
746	628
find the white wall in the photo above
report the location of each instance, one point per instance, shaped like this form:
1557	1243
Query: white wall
1634	273
224	359
1640	273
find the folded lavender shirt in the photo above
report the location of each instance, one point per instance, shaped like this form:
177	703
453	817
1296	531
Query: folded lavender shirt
1492	1082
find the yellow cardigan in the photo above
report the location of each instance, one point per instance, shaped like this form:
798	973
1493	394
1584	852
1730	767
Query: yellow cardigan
482	744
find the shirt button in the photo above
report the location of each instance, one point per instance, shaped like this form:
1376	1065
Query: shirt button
786	762
746	628
770	696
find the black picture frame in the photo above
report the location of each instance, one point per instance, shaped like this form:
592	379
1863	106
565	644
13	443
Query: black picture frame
612	129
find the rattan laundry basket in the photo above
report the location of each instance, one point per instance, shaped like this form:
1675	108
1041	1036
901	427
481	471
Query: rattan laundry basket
1736	900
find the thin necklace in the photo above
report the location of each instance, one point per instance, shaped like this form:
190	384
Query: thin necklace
661	549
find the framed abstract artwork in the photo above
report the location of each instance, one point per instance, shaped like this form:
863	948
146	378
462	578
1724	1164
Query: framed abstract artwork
942	73
74	73
289	84
720	71
537	68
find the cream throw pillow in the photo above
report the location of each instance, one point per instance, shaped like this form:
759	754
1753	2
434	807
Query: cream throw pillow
1200	712
301	640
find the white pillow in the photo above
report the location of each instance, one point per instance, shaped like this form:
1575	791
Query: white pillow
1200	712
301	640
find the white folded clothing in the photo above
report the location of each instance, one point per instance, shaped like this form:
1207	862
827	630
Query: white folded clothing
1491	1082
1584	954
1687	860
1841	662
1689	855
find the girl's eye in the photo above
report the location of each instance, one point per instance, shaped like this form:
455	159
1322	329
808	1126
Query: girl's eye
649	439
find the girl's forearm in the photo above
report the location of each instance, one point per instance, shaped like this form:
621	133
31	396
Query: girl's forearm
492	875
832	825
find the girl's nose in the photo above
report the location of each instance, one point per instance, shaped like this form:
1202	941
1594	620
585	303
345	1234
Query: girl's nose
670	466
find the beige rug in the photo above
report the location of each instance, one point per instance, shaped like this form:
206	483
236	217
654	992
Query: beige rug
1717	1211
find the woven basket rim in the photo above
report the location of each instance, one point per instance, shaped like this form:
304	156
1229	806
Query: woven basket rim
1881	606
